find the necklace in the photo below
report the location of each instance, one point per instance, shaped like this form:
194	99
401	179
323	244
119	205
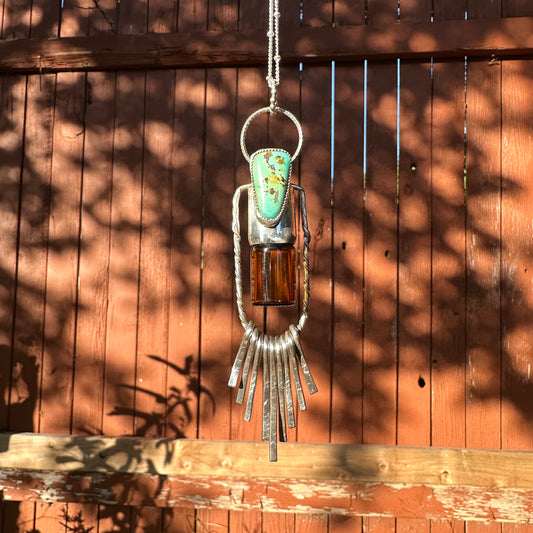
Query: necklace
272	237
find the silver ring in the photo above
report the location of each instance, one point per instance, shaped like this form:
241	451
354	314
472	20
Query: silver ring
270	110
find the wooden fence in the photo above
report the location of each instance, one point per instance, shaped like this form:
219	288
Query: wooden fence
117	316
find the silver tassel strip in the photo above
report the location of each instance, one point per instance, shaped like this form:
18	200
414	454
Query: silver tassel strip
281	358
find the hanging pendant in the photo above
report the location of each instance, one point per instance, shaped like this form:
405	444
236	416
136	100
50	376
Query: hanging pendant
271	236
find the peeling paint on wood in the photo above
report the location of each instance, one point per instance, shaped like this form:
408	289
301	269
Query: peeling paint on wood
346	480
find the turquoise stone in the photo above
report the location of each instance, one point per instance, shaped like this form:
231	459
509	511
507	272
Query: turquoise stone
270	177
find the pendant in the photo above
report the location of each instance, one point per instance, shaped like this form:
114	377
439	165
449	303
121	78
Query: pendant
279	359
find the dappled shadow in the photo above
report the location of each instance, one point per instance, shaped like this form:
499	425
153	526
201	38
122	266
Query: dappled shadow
115	228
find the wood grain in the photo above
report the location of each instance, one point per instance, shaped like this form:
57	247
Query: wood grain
482	38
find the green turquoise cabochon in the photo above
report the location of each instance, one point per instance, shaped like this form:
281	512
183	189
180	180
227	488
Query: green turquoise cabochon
270	171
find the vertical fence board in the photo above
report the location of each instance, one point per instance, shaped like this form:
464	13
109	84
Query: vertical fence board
516	269
414	276
152	401
347	389
132	16
349	12
94	255
516	256
121	328
16	19
185	256
483	334
483	403
317	13
448	257
32	256
380	261
448	301
382	12
380	266
12	104
415	10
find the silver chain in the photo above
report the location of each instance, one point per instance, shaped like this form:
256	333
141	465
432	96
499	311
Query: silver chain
273	52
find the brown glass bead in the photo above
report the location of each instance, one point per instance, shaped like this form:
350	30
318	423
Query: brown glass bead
273	274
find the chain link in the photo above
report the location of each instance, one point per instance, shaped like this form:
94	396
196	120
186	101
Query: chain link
274	57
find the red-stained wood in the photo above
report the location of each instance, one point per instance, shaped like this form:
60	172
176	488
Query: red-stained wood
163	16
185	261
152	399
516	255
192	16
91	320
56	405
12	103
346	407
94	255
216	352
185	267
448	254
414	251
448	260
483	258
380	330
31	269
349	12
449	39
317	13
382	12
516	8
17	370
515	382
16	19
121	327
61	283
133	17
417	11
414	275
380	259
151	402
483	348
315	177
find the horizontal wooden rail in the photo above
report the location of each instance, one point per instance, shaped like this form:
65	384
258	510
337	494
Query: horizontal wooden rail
508	37
314	478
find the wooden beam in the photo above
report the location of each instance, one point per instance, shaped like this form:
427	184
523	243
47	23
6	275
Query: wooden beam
311	478
509	37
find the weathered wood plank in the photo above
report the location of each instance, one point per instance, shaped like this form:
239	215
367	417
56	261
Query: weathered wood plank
314	478
441	40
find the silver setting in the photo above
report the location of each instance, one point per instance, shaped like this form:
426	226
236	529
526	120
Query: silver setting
281	233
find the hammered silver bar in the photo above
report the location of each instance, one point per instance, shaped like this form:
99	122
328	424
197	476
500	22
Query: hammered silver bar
253	378
273	425
246	367
281	390
266	390
288	387
243	348
305	369
295	372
